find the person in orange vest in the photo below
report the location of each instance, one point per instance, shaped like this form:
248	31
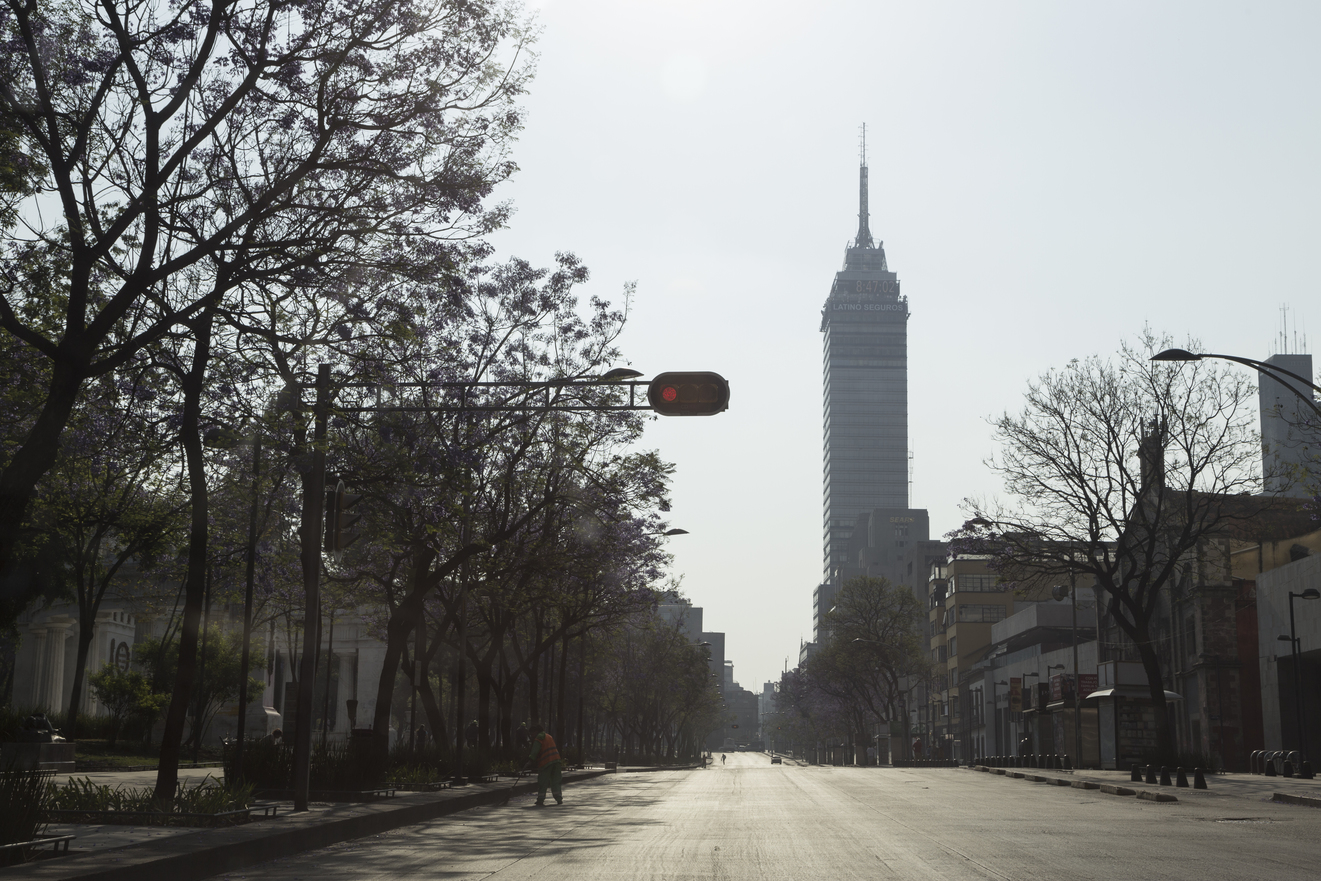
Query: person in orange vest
547	756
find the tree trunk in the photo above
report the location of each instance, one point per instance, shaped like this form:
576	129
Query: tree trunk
560	703
483	673
167	773
397	631
31	461
1165	744
79	674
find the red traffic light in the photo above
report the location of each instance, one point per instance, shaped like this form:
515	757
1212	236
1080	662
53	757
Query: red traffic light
692	393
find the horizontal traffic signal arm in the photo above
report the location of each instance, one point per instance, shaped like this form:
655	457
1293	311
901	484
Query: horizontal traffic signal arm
548	396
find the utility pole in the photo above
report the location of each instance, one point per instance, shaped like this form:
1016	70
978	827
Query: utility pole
313	500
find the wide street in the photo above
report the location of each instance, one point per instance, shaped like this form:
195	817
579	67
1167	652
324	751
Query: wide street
752	820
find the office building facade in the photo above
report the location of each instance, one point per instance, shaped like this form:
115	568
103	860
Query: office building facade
864	327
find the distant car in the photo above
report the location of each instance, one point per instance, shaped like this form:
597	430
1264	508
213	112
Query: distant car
775	760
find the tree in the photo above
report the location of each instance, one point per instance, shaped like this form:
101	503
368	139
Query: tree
1119	470
220	674
106	502
192	148
125	694
874	647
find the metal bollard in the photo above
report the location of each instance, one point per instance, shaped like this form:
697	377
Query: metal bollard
1306	771
1254	762
1270	767
1151	775
1068	763
1136	776
1181	779
1287	771
1164	776
1199	779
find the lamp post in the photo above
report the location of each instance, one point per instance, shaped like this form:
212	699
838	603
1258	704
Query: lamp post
1025	676
1310	594
221	438
1271	370
995	708
1220	699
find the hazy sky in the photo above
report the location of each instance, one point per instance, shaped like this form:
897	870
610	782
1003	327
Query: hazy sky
1047	178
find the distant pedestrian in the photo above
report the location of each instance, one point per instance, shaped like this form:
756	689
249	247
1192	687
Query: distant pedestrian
546	755
421	736
522	737
471	733
273	739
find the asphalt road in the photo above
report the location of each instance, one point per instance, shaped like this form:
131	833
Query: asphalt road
753	820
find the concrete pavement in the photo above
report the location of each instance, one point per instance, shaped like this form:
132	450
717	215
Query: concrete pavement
132	853
749	820
753	820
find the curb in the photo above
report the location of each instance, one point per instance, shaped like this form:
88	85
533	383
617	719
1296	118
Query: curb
186	858
644	769
1110	789
1285	798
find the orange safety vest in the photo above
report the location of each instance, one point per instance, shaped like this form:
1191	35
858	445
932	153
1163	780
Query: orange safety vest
549	752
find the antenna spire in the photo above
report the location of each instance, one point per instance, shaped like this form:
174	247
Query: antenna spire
864	239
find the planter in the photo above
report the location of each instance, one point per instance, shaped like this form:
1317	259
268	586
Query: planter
19	851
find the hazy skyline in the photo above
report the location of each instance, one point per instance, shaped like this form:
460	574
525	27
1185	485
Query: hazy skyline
1047	179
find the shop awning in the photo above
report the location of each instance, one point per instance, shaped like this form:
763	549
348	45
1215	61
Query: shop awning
1131	691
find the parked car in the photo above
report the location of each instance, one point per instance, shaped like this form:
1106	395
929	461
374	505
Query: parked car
775	760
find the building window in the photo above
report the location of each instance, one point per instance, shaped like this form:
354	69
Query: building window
953	646
973	613
977	584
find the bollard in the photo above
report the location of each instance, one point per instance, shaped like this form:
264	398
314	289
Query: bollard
1270	767
1136	776
1306	771
1151	775
1164	776
1199	779
1181	779
1068	763
1254	762
1288	769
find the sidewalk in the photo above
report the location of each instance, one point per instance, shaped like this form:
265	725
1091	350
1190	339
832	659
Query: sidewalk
1251	787
131	853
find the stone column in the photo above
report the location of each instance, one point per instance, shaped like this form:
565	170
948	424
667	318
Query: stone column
37	684
57	633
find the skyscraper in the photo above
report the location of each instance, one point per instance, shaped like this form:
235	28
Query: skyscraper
865	422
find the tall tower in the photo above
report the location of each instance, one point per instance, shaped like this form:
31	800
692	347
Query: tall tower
865	336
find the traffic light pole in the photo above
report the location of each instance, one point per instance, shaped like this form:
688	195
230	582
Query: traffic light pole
669	394
314	493
249	577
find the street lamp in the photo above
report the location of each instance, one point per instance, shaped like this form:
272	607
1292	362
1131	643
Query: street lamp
1310	594
1271	370
995	708
1025	676
220	438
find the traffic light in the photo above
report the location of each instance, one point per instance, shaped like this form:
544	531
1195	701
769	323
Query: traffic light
693	393
339	532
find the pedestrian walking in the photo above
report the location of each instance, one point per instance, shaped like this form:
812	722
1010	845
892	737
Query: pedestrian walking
546	755
522	737
471	733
